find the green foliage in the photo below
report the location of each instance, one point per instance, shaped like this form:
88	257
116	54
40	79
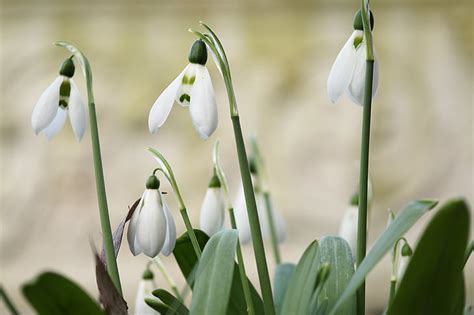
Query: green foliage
335	251
214	274
302	283
283	274
402	223
173	305
53	294
433	281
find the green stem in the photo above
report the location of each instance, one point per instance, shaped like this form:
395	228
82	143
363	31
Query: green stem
393	286
168	278
243	274
255	229
8	302
273	232
111	261
190	230
364	179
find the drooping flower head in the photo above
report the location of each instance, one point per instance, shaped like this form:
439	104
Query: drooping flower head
145	289
193	88
57	101
213	207
348	71
152	229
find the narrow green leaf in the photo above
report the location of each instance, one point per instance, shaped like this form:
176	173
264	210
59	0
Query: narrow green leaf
159	307
335	251
214	274
402	223
282	278
431	283
171	301
53	294
302	283
186	259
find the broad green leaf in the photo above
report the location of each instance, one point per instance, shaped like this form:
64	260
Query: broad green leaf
432	281
186	259
174	305
335	251
53	294
302	283
283	274
214	274
402	223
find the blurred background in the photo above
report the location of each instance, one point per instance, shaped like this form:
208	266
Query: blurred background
280	54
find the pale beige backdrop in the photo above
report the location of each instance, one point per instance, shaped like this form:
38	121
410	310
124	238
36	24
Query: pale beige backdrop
280	53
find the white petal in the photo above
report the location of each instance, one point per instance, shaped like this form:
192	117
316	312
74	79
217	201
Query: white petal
132	228
57	123
77	112
145	288
162	107
348	227
375	84
47	106
241	217
170	240
212	211
183	94
342	69
203	107
151	231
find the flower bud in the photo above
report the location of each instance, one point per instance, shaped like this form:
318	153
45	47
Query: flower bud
198	53
214	182
147	275
355	200
67	68
406	250
153	182
358	25
252	165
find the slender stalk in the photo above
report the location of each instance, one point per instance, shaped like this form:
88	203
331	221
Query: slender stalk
255	229
364	179
8	302
393	286
167	277
112	267
243	274
273	233
190	230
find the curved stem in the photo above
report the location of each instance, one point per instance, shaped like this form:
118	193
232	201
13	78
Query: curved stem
167	277
273	232
8	302
111	261
364	179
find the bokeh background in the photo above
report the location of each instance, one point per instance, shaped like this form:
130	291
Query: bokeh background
280	53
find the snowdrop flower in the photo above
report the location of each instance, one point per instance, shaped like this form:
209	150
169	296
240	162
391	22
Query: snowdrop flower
213	207
242	220
145	289
152	229
348	226
348	71
57	101
405	255
193	88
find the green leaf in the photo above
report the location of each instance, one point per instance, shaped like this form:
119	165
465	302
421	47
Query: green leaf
53	294
402	223
283	274
186	259
159	307
335	251
432	281
171	301
214	274
302	283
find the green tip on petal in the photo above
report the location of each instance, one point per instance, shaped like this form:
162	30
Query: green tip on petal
214	182
198	53
147	275
358	25
67	68
153	182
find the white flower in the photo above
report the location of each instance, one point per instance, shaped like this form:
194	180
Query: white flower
152	229
145	288
213	208
242	220
193	88
348	71
61	98
348	227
